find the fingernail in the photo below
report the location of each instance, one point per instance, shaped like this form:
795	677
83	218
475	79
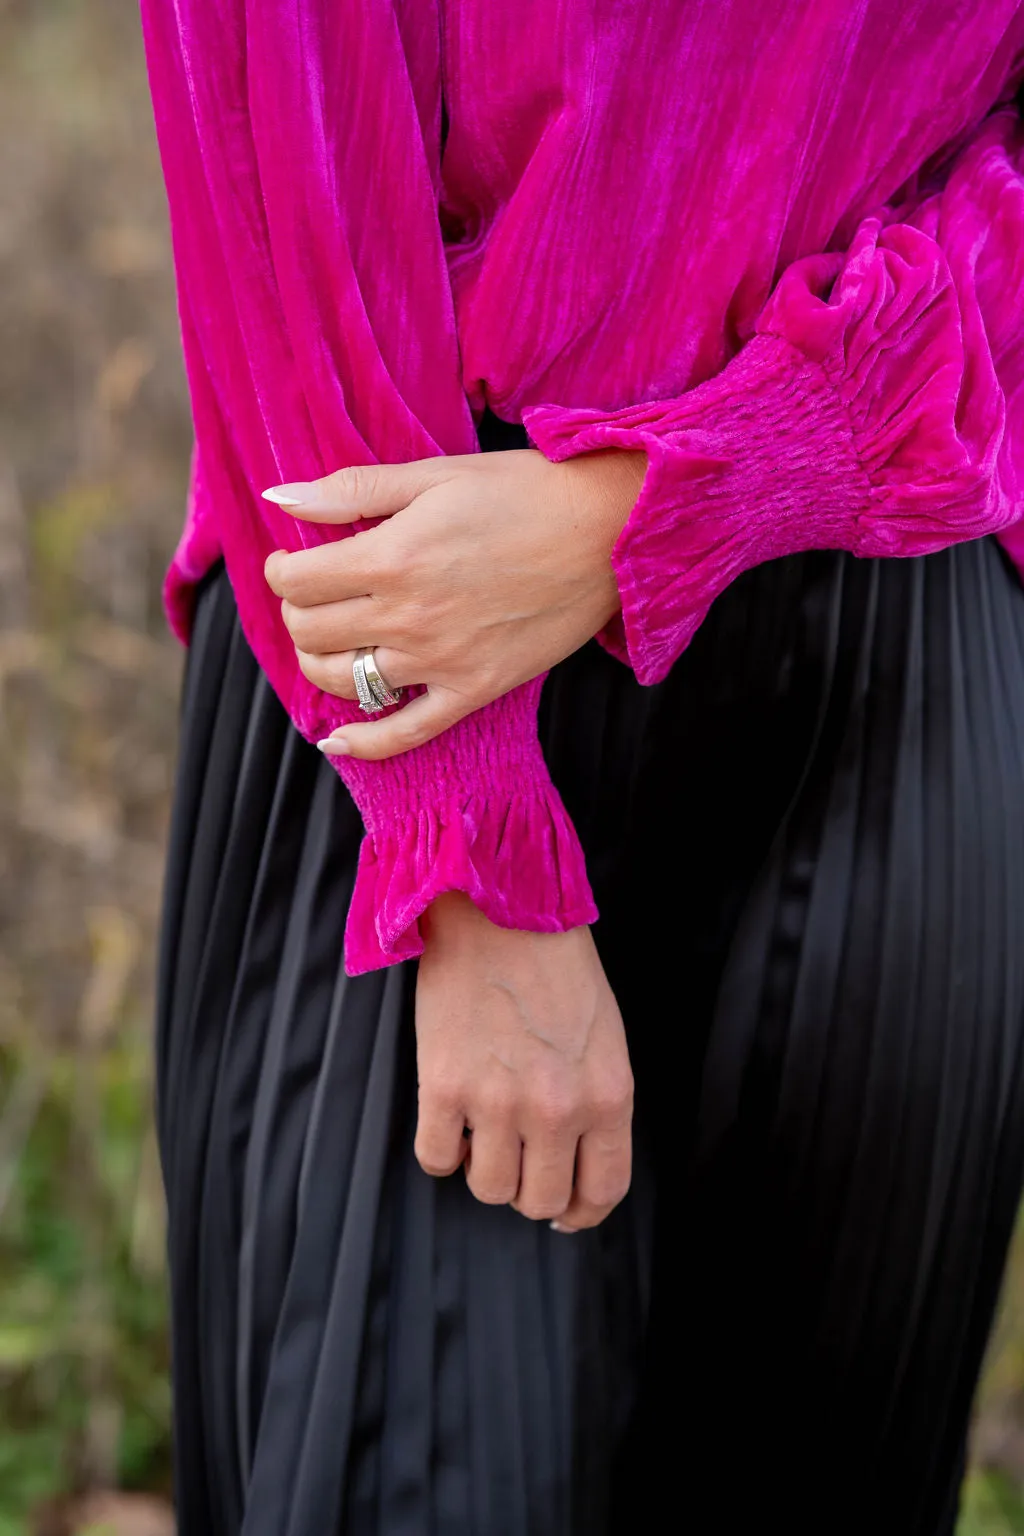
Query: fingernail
334	746
287	495
556	1226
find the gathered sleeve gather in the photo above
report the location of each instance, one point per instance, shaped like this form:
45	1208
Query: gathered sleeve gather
878	407
475	811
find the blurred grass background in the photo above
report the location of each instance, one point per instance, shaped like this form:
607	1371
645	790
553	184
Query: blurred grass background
94	443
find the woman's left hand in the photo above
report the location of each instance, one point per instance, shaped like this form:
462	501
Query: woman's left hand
490	568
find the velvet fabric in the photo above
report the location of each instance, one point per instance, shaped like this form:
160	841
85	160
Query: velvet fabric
779	246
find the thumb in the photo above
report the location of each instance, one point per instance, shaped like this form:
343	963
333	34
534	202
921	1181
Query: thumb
415	723
359	491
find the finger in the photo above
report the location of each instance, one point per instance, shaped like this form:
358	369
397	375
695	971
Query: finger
344	626
417	722
360	490
440	1145
344	568
333	673
604	1162
493	1162
545	1184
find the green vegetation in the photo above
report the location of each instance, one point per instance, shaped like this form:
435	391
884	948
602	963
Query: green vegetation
992	1506
83	1356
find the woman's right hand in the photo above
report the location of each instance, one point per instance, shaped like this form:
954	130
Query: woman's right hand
520	1041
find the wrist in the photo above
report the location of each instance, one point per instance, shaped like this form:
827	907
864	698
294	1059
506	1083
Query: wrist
610	480
453	921
451	911
604	487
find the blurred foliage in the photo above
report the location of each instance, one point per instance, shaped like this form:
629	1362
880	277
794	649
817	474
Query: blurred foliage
82	1333
94	443
992	1506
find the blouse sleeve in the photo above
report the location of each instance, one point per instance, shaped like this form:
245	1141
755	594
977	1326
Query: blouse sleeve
473	810
307	286
877	408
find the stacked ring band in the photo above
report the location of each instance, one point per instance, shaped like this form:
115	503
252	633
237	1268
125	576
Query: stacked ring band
373	692
382	692
367	702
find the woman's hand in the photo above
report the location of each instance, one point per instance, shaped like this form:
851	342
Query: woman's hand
490	568
520	1040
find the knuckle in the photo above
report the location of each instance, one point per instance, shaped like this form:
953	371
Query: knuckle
287	585
471	668
438	1166
335	686
397	547
273	570
327	674
554	1110
608	1182
415	620
491	1191
611	1192
612	1100
355	482
536	1209
337	665
300	626
608	1108
496	1103
448	1148
384	566
440	1100
400	576
586	1216
310	667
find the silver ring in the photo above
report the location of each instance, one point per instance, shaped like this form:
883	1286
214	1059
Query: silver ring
373	692
368	701
382	691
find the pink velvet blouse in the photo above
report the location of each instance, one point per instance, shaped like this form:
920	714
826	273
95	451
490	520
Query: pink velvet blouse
777	245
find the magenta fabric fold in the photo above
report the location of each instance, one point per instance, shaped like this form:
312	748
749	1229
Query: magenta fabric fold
779	246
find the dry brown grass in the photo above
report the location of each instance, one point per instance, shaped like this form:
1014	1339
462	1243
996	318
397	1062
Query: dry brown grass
94	442
94	438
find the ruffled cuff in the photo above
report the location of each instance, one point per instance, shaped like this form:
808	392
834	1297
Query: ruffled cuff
864	415
475	811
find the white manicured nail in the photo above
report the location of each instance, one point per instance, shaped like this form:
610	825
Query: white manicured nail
287	495
334	746
556	1226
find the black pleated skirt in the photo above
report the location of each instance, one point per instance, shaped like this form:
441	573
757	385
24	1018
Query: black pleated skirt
808	850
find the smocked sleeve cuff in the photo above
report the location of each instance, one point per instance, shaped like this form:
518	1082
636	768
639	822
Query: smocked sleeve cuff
859	417
475	811
754	464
